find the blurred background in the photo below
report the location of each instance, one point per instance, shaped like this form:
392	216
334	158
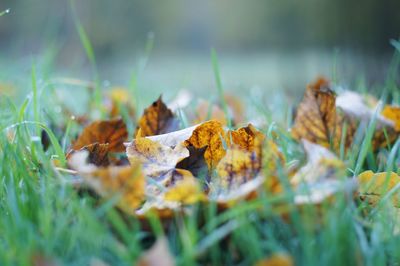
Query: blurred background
265	44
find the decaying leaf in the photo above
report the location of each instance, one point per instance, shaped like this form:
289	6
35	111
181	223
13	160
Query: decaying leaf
158	161
210	134
236	168
392	113
374	186
329	122
157	119
316	118
185	191
127	182
321	164
276	260
98	154
158	255
111	132
321	177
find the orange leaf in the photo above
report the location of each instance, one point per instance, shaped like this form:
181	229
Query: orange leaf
210	134
111	132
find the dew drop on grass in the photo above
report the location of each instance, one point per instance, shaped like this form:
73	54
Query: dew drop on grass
7	11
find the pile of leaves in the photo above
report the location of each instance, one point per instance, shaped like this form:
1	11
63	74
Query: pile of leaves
164	170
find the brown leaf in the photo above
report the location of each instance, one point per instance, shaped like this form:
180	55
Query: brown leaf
323	120
316	118
111	132
98	154
157	119
158	255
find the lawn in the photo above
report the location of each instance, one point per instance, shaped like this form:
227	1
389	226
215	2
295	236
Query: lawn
196	184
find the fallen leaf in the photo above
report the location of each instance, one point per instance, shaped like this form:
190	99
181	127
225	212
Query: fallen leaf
158	161
316	118
392	113
209	134
158	255
157	119
248	138
185	191
128	182
321	164
374	186
323	119
98	154
276	260
236	168
111	132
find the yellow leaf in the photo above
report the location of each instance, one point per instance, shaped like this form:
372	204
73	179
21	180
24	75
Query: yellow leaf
276	260
186	191
157	119
392	113
373	186
111	132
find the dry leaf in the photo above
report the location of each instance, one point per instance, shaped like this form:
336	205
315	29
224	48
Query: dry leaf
323	119
158	255
158	161
185	191
316	119
321	164
236	168
210	134
392	113
157	119
111	132
373	186
128	182
98	154
276	260
321	177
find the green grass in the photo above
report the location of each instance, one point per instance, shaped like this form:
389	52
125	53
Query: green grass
41	214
